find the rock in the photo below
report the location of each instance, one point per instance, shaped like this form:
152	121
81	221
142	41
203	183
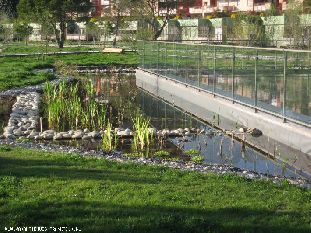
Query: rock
180	130
38	137
127	132
67	136
50	131
86	131
174	133
2	136
86	137
77	135
33	134
187	133
47	136
152	130
58	136
187	129
18	132
71	132
242	130
94	134
10	136
255	132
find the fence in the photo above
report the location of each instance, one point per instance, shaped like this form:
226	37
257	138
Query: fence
271	80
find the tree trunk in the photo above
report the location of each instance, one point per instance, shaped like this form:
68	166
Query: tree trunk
159	31
61	36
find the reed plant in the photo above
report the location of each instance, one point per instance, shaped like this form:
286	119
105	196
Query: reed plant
73	106
142	137
109	139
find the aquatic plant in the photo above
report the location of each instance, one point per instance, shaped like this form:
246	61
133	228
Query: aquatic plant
134	154
197	159
162	153
142	136
192	152
73	106
109	139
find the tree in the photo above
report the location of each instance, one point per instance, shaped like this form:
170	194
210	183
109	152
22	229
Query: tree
56	13
9	7
150	11
292	25
120	10
23	31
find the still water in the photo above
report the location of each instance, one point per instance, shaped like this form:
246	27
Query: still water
125	97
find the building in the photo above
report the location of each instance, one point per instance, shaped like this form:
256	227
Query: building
101	7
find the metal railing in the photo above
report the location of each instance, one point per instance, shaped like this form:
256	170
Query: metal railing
275	81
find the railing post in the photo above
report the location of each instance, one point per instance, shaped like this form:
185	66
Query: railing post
158	57
174	53
166	66
199	64
214	74
233	70
143	58
275	59
284	85
186	67
256	86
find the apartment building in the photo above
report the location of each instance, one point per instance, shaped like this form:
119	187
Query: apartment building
101	7
200	8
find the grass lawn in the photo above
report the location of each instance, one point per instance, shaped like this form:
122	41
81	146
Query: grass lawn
53	189
18	72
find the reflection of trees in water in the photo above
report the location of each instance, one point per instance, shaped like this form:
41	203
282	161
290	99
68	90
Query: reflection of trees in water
120	90
270	89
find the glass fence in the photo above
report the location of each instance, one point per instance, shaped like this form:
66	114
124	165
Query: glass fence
273	80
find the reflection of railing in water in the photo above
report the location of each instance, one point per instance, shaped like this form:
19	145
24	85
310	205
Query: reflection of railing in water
216	147
274	81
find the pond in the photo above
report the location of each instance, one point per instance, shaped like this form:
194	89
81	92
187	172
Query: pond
119	101
125	98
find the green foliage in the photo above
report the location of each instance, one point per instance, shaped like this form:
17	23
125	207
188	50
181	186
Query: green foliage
73	106
4	148
23	31
142	137
192	152
109	138
249	27
197	159
54	13
162	154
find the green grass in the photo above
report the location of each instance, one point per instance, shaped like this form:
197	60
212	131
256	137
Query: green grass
96	195
18	72
40	48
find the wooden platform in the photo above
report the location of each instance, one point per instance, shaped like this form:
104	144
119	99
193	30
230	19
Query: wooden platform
113	50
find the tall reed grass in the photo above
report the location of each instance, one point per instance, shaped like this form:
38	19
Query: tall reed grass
73	106
142	136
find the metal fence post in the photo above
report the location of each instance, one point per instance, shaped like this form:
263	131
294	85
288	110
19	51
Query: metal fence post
233	70
186	66
275	60
199	64
166	66
284	86
214	74
174	53
143	57
158	57
256	86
